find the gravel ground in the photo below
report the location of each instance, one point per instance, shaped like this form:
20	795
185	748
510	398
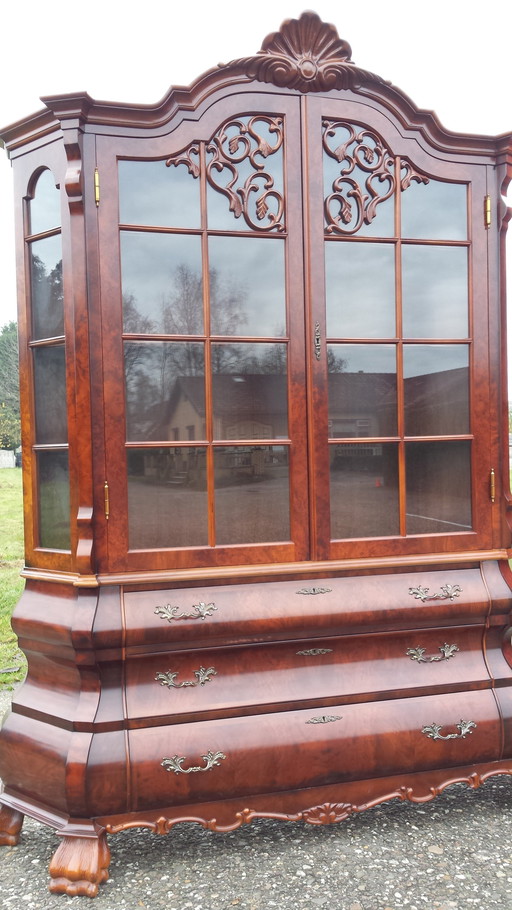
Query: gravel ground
451	854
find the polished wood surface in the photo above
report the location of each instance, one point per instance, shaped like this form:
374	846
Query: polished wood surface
192	653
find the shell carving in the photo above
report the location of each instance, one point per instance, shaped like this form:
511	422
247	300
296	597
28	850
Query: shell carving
307	55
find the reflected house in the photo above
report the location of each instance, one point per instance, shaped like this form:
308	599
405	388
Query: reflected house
254	406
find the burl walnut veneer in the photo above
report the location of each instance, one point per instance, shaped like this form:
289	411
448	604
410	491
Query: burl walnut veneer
264	455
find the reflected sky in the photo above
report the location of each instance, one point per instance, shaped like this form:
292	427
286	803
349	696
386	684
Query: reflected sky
435	211
45	206
252	267
360	289
151	193
435	291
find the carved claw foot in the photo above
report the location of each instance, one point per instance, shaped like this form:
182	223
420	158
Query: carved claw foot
10	826
80	865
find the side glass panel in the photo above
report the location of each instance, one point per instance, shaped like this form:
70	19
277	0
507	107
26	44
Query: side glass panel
252	493
364	490
438	487
162	283
167	497
53	481
46	287
50	395
49	366
45	205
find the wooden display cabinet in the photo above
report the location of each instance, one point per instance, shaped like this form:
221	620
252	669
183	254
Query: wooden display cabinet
264	454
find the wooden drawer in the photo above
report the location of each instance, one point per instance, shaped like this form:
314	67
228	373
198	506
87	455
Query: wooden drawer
265	677
248	755
270	611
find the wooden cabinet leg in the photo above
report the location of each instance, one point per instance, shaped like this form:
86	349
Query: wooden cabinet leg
10	826
80	865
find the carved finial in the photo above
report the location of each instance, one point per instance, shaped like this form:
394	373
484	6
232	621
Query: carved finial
307	55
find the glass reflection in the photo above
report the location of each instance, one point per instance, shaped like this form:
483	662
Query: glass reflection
164	390
249	391
438	487
364	490
167	498
50	395
435	211
162	283
435	291
360	290
252	492
436	389
53	491
247	286
154	194
46	287
45	206
362	390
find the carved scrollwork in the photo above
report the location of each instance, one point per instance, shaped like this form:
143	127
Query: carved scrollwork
306	55
236	158
366	178
238	145
211	759
328	813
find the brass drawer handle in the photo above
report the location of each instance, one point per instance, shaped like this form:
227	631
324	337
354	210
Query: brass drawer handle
174	764
433	731
199	611
448	592
418	654
202	677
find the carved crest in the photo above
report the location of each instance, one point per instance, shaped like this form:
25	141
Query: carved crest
306	54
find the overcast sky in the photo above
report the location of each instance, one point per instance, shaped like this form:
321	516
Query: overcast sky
448	56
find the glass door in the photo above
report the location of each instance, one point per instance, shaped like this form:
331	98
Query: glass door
395	244
210	270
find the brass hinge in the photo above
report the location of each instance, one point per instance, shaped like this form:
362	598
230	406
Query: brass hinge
487	211
492	485
106	500
96	186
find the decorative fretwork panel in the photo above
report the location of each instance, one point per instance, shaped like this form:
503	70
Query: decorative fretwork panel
364	178
244	163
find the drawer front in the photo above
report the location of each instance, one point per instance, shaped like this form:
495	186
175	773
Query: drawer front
258	678
270	611
220	759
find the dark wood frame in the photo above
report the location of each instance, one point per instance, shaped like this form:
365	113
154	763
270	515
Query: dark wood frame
78	750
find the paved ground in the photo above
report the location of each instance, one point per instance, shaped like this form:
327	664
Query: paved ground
451	854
